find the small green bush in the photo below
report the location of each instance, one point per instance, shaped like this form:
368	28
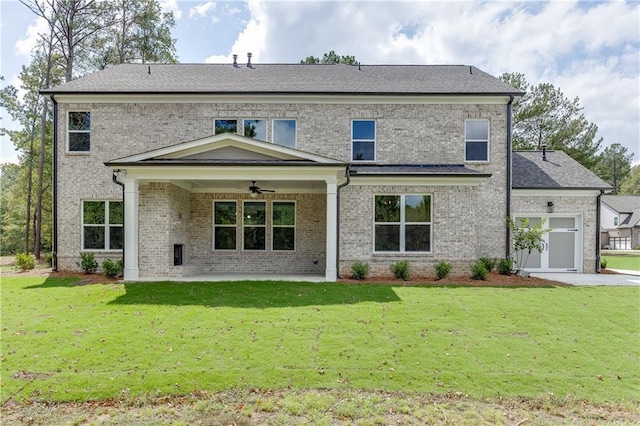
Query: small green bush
603	263
478	271
111	269
25	261
505	266
359	271
442	269
400	270
488	262
88	263
49	259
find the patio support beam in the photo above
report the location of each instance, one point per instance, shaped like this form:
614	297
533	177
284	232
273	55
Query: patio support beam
332	234
131	271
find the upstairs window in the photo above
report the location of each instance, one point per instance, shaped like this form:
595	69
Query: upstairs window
284	133
255	129
402	223
225	126
476	137
79	131
615	220
363	140
102	225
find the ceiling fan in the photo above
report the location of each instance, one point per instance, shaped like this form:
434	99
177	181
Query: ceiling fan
257	190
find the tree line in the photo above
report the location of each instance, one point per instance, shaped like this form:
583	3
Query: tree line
88	35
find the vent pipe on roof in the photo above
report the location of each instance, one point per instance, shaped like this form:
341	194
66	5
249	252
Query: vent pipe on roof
149	70
249	60
235	61
544	152
470	69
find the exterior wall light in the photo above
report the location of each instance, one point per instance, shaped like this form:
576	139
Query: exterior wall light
550	207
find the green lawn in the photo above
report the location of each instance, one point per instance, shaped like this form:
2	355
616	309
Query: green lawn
65	342
631	263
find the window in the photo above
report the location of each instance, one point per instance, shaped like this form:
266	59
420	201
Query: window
615	221
476	137
363	139
283	223
225	126
254	225
224	225
102	225
255	129
79	131
402	223
284	133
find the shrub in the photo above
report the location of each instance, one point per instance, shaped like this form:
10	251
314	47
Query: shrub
603	263
88	263
442	269
478	271
359	271
400	270
49	259
111	269
505	266
488	262
25	261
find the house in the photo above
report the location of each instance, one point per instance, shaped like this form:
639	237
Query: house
620	222
192	169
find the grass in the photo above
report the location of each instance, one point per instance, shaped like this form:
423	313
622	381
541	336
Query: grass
64	342
630	263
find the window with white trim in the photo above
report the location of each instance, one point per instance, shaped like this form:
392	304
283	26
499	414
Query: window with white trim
402	223
616	220
283	224
254	225
476	139
225	126
363	140
224	225
284	132
255	129
102	225
79	131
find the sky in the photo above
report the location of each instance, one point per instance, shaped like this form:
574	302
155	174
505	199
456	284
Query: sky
588	49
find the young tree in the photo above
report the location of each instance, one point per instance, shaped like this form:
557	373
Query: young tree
631	184
526	239
614	165
330	58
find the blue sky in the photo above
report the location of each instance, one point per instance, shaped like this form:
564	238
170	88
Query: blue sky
589	49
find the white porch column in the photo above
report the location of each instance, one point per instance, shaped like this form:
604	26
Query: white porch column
131	271
331	273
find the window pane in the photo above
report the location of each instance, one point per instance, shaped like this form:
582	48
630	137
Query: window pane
93	212
284	132
94	237
254	238
284	239
477	130
254	213
79	141
387	208
477	151
225	238
417	238
562	222
256	129
364	151
387	238
562	246
225	213
226	126
115	237
284	213
79	121
365	129
417	208
116	212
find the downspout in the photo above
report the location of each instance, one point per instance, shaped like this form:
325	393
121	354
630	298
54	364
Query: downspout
508	233
598	231
116	181
348	175
54	227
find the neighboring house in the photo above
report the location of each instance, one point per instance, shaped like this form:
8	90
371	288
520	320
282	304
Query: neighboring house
620	222
162	164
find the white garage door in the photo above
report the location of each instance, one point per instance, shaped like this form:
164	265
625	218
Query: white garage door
563	244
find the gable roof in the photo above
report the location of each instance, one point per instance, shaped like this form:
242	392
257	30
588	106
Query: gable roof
622	203
288	79
633	220
558	171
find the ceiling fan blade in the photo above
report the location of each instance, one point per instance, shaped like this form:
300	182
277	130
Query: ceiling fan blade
267	190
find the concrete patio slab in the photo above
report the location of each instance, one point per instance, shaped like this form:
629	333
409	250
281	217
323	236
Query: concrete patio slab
590	279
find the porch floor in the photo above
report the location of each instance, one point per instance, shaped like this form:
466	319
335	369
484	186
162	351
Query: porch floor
241	276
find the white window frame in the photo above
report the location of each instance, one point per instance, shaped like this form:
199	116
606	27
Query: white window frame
403	224
487	141
70	131
374	140
106	226
294	226
266	128
616	220
273	132
265	226
214	225
237	120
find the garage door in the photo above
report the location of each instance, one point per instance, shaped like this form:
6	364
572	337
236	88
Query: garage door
563	244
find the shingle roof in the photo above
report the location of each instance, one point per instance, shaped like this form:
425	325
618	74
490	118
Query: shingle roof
415	170
559	171
633	220
622	203
289	79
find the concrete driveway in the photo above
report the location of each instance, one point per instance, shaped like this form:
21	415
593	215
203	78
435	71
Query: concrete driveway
621	278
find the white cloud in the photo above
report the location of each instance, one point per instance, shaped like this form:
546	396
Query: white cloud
27	44
202	9
171	6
